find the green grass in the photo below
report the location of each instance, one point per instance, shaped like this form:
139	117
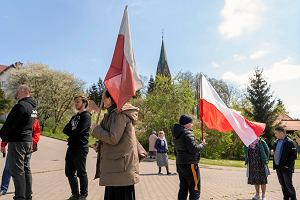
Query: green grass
61	136
233	163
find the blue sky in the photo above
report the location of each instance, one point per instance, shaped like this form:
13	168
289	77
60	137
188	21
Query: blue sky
225	39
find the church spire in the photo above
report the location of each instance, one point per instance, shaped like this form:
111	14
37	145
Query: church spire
162	66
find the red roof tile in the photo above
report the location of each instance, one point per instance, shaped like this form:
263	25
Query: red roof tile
2	68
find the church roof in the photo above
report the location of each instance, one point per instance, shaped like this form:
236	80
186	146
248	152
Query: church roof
162	66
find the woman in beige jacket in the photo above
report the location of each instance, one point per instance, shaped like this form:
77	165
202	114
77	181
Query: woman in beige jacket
118	162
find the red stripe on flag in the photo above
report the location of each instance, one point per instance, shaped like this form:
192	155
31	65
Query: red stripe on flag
119	80
213	118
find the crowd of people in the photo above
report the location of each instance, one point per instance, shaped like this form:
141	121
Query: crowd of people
119	152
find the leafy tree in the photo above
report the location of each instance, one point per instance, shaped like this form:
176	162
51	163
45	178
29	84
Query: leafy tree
151	85
53	90
164	105
95	91
263	104
5	104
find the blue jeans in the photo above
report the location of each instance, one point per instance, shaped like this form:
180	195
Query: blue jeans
5	177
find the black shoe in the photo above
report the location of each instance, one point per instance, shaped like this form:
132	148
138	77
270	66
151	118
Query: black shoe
82	197
74	197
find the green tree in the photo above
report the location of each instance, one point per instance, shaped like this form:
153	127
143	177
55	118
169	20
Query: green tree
164	105
262	102
53	90
95	91
5	104
151	85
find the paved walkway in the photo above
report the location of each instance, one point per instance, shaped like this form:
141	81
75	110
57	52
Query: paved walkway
50	183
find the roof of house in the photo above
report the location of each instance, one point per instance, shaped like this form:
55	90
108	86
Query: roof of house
282	117
291	125
2	68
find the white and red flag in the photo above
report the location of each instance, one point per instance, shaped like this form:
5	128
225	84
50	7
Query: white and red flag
122	80
216	115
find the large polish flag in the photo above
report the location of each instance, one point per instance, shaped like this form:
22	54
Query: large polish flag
216	115
122	80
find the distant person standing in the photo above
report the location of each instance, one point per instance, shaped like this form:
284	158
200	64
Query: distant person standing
6	174
152	140
161	146
17	131
257	159
187	153
78	147
285	155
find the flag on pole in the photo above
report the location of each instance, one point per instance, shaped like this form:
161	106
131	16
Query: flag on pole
122	80
216	115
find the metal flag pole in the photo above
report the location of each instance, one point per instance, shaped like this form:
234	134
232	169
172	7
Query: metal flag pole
201	108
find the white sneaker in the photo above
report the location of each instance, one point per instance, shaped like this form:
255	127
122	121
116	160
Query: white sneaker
263	198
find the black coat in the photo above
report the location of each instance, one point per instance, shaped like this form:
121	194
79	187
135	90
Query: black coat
288	155
18	125
187	151
78	130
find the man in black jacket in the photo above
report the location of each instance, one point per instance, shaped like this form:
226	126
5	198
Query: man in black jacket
187	153
78	131
17	131
285	154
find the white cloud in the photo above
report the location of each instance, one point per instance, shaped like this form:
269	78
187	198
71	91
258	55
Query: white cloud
283	76
259	54
240	16
283	70
239	58
215	65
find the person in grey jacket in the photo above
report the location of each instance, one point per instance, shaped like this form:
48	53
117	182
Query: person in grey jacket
187	152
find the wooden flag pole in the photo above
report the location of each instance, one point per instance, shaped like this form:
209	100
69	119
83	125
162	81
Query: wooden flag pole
201	108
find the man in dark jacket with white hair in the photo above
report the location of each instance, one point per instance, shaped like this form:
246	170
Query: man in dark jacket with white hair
187	152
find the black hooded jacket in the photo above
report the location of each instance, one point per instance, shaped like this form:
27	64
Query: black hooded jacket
187	151
78	130
19	122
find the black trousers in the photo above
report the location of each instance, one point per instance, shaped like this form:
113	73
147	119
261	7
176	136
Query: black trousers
19	154
76	167
119	193
189	177
285	177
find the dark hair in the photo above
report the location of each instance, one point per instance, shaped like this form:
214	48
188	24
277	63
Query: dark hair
107	94
83	99
280	128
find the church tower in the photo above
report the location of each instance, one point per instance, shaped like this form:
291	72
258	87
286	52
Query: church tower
162	66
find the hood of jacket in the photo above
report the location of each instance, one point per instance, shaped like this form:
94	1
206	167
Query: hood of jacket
177	130
28	100
130	111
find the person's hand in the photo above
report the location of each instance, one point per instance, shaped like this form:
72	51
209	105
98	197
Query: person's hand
34	147
95	146
3	150
204	142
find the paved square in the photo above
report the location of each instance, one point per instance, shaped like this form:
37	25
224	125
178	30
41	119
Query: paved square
222	183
